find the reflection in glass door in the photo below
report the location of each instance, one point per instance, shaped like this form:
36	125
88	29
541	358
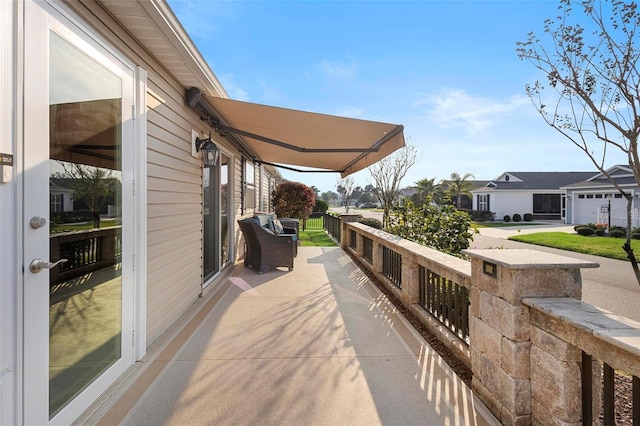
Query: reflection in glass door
85	170
216	217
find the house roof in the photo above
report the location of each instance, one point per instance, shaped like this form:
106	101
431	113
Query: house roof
292	137
536	180
622	174
61	184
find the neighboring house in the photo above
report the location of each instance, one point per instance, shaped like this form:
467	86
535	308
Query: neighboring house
538	193
406	194
596	200
60	195
119	85
465	200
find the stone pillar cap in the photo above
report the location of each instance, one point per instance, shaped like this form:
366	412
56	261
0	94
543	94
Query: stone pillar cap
528	259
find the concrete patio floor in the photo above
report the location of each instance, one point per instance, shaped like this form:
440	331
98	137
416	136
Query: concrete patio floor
319	345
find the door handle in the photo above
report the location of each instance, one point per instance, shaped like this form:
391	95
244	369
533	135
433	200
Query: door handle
38	265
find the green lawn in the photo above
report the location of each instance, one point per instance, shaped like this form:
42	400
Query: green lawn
315	237
598	246
68	227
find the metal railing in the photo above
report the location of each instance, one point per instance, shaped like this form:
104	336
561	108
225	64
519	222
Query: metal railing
313	222
446	300
613	384
367	249
333	225
392	265
353	239
85	251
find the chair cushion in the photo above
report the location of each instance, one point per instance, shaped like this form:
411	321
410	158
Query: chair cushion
264	220
276	226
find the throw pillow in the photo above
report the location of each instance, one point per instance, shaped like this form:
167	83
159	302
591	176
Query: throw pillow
277	227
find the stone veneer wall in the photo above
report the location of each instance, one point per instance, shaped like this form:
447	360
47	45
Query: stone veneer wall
500	332
528	328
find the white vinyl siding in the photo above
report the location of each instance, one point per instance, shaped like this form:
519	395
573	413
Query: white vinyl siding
174	183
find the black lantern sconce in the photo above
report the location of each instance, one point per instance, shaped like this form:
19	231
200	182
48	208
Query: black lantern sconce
210	152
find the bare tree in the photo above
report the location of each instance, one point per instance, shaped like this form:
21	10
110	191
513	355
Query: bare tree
345	189
591	66
91	185
387	174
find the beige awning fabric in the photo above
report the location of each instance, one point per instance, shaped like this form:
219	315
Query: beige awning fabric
292	137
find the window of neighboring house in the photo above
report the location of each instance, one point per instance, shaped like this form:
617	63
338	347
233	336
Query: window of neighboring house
483	202
546	203
249	185
581	196
56	203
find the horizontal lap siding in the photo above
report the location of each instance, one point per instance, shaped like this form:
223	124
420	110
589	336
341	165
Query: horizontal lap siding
174	182
173	282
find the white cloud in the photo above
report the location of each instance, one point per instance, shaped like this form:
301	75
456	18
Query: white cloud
339	69
458	109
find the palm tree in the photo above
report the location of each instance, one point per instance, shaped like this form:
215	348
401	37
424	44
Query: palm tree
428	188
458	186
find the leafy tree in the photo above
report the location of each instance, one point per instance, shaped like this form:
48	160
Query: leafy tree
293	199
92	185
427	188
387	174
590	62
329	197
459	185
445	229
367	197
345	189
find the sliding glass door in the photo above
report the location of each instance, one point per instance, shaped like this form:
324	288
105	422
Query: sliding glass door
216	219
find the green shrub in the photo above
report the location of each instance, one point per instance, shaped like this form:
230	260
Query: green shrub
506	218
599	232
528	217
445	229
585	231
617	233
372	222
320	206
635	233
517	217
618	228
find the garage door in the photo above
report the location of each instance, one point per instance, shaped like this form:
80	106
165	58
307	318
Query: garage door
588	210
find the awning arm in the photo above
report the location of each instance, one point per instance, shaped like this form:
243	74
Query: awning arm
377	145
293	169
221	127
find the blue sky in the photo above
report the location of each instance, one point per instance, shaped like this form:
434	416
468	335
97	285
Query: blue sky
446	70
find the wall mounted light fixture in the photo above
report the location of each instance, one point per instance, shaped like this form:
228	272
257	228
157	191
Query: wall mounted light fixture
210	152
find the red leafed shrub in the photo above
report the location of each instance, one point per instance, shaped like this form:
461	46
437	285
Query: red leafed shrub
293	199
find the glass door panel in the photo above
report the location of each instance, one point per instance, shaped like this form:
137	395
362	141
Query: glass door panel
224	209
85	181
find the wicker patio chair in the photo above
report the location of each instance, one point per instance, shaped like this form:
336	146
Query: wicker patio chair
264	249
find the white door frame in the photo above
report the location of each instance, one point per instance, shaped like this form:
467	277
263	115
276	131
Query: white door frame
32	392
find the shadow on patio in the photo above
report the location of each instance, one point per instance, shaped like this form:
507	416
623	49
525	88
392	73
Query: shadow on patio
318	345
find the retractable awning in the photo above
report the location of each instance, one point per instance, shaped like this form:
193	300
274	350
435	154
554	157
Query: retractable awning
287	137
